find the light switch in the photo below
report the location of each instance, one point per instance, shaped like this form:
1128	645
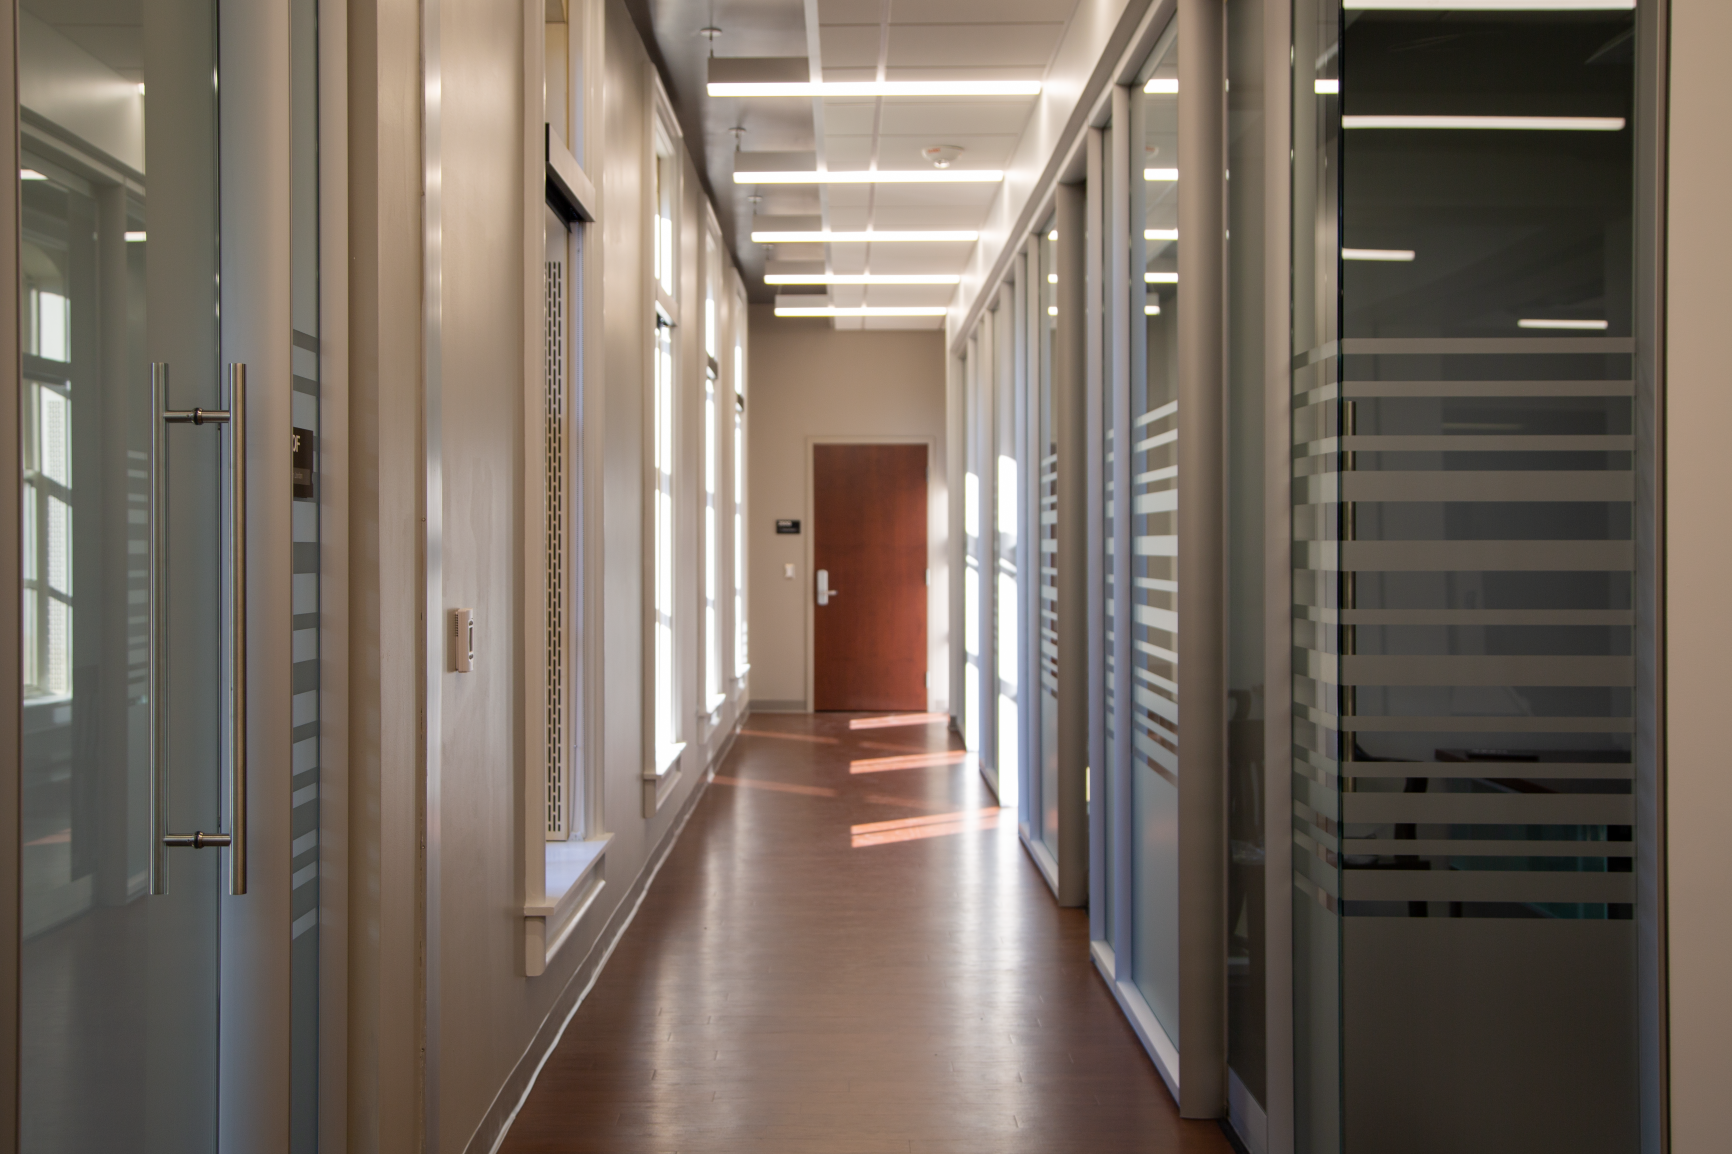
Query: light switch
788	571
463	640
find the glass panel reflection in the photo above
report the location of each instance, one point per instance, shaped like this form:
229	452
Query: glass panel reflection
1155	479
118	988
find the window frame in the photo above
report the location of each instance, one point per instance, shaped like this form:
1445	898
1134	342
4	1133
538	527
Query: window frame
664	698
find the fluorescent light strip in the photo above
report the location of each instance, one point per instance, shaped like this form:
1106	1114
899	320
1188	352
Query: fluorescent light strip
1489	5
1505	123
1588	326
1326	87
1160	234
30	174
871	236
859	278
1052	310
877	176
1160	278
881	88
1162	86
1151	310
863	311
134	238
1387	254
1160	174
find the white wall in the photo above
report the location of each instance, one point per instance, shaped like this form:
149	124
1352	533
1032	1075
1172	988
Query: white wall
1698	475
810	381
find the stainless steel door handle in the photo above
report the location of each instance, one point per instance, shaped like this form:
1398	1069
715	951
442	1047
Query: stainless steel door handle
235	418
824	590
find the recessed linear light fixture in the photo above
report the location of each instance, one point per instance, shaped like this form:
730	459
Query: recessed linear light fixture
135	238
1052	310
1160	278
810	88
1160	174
1162	85
1160	234
1326	87
1384	254
1151	310
1490	5
1504	123
877	176
863	311
792	76
30	174
1580	326
870	236
860	278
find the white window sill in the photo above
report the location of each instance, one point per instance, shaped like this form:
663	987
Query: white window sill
669	759
574	879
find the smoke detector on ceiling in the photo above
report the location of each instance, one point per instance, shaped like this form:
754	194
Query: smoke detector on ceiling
942	155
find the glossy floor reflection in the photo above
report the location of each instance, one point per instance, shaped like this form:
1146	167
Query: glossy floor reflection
831	962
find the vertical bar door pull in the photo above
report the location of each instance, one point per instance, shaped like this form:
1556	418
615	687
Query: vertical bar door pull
236	839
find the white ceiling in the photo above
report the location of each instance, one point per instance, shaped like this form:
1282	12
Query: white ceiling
865	40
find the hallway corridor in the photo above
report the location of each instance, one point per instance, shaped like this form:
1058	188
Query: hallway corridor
846	952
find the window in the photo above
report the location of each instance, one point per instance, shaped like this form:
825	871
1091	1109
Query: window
665	190
742	662
713	690
667	732
667	729
47	532
564	801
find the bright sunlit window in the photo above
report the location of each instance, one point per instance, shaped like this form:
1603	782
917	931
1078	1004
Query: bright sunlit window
667	729
741	662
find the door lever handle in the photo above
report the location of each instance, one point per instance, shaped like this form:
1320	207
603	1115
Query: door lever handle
824	590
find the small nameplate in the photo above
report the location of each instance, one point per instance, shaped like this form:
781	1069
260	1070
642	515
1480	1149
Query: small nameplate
787	526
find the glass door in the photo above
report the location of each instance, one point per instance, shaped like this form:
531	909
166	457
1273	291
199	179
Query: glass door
125	701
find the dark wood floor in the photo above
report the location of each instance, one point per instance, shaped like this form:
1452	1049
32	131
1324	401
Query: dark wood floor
850	962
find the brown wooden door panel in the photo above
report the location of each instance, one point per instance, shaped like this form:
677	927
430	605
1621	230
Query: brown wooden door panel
869	533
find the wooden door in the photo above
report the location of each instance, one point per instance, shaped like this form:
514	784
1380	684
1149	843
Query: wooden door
869	541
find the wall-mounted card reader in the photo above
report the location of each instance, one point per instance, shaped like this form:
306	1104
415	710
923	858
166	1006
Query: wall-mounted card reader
463	640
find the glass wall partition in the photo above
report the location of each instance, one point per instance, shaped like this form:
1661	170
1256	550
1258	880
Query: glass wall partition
1153	935
1046	607
1465	411
1007	560
1247	292
971	437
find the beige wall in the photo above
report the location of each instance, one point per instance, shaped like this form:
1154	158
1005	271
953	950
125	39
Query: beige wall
451	978
810	382
1698	559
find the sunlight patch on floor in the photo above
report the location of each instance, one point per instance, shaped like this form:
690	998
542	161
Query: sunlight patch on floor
918	828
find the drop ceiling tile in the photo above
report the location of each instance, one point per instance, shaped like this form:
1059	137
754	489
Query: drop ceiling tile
850	12
938	120
973	199
849	46
971	45
874	324
978	151
848	117
917	258
979	11
926	217
940	71
849	196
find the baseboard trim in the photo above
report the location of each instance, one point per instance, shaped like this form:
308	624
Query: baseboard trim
1043	859
1246	1116
490	1134
762	705
1148	1028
